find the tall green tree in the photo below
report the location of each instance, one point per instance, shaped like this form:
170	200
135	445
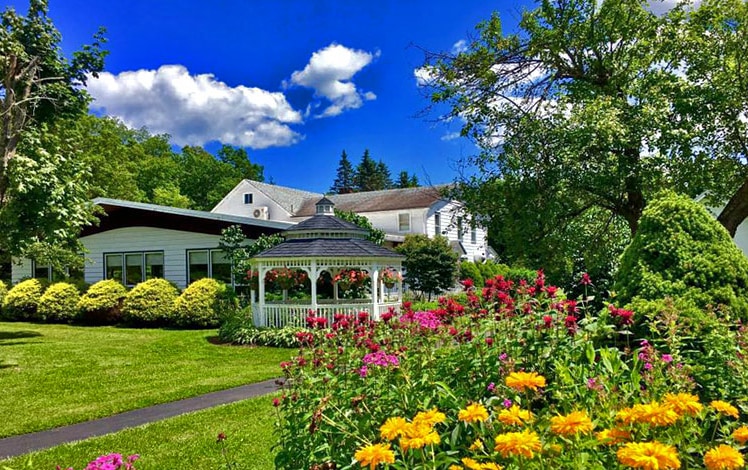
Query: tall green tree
430	264
366	177
42	188
344	180
383	176
404	180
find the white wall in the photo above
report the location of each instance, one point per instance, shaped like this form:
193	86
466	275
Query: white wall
389	222
233	203
741	237
20	269
173	243
449	211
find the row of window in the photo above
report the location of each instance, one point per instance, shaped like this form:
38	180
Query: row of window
133	268
460	228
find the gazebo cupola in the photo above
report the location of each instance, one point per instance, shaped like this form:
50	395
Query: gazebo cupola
326	243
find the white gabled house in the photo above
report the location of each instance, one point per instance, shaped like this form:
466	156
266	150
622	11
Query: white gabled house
397	212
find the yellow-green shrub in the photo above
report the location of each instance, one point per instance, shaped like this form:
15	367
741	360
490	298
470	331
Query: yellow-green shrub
102	303
21	302
150	303
200	304
59	303
3	292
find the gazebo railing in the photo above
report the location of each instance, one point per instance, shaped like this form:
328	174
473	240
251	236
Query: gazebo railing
280	315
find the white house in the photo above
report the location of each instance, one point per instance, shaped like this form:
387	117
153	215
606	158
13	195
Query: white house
136	241
397	212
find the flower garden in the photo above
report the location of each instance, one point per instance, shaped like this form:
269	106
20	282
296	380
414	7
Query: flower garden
511	375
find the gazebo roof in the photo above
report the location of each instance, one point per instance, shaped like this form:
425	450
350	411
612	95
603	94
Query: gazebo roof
328	248
326	223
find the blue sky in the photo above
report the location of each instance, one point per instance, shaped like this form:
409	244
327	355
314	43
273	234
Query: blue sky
295	82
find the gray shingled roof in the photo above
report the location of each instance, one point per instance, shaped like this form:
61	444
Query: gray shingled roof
373	201
327	223
289	198
328	247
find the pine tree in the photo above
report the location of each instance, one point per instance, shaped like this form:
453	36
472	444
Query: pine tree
384	179
366	177
344	181
404	180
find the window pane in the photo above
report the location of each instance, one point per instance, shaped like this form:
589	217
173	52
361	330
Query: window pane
221	266
113	267
437	224
198	265
134	268
41	271
154	265
403	222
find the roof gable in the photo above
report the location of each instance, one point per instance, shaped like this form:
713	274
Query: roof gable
375	201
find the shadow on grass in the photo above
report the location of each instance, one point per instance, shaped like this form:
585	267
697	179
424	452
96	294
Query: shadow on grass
7	338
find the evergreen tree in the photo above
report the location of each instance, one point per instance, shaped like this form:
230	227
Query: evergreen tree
404	180
344	181
383	179
367	174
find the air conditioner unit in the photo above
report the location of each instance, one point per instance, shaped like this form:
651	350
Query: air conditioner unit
261	213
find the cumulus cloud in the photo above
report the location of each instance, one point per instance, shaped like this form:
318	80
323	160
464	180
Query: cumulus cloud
424	75
195	109
460	46
329	73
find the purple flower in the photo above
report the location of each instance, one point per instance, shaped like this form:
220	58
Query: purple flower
491	387
363	371
503	357
507	403
648	366
591	382
381	358
667	358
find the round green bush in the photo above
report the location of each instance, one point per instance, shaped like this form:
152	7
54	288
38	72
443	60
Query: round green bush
200	304
680	251
3	292
102	303
150	303
469	270
59	303
21	302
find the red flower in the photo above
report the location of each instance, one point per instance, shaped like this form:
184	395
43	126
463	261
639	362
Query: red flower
547	320
586	279
467	284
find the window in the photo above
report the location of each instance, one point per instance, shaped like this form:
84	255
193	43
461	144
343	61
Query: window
247	198
41	271
208	263
403	222
44	271
437	224
133	268
459	228
473	233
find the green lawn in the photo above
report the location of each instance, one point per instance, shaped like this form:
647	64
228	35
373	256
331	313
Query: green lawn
187	441
52	375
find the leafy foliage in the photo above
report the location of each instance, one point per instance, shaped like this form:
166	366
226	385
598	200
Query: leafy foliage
234	243
101	304
201	304
21	301
680	251
3	291
469	270
59	303
150	303
247	334
430	263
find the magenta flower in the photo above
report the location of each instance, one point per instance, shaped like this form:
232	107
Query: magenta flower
667	358
382	359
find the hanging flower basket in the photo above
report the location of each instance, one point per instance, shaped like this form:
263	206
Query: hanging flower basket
285	278
253	278
390	277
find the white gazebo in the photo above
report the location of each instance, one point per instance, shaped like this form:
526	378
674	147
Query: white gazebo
325	243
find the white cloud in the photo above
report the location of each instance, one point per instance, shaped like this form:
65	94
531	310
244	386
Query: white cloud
329	73
660	7
195	109
460	46
424	75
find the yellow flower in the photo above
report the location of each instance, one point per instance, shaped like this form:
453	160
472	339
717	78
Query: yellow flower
471	464
653	413
574	423
473	413
723	458
517	443
683	403
417	436
430	417
374	454
725	408
392	428
613	436
649	456
514	416
523	380
476	445
455	467
741	434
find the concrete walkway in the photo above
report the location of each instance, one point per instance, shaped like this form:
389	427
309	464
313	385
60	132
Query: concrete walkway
25	443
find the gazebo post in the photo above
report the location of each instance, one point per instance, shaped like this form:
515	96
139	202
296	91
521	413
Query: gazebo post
374	289
261	272
381	292
313	276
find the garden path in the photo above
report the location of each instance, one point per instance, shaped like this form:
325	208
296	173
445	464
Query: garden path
25	443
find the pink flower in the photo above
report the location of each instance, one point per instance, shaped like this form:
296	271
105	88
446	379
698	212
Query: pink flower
363	371
491	387
507	403
586	279
667	358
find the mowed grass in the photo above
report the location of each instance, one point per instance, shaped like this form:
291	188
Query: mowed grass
187	441
52	375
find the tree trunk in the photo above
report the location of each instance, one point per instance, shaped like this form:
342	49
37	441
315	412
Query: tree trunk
736	210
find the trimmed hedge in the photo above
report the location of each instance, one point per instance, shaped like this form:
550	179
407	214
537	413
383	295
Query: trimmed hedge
102	303
680	251
201	304
22	301
59	303
469	270
3	292
150	303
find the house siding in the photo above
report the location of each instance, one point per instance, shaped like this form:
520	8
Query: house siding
20	269
449	212
233	203
173	243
